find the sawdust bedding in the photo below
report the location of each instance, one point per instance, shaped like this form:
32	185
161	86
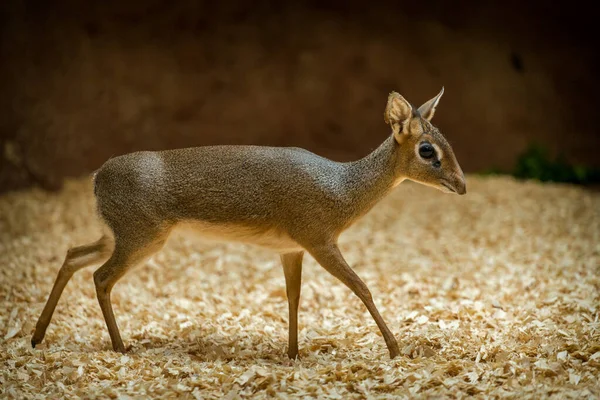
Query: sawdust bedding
493	294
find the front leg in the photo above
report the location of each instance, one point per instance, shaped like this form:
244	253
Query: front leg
331	259
292	268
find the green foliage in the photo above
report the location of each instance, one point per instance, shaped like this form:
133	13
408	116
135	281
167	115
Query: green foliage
535	163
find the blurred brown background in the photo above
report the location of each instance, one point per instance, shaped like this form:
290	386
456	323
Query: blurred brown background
83	81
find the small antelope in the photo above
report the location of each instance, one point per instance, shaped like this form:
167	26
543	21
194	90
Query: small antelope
286	199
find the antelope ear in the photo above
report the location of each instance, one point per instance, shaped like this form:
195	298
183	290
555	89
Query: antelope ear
428	109
398	113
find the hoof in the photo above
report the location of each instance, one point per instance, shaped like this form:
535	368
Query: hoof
120	349
35	341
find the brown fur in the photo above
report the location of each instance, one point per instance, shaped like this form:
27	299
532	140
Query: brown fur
286	199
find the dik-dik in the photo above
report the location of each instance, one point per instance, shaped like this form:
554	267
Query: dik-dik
285	199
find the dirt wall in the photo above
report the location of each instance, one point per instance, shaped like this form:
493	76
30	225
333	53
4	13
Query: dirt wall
84	81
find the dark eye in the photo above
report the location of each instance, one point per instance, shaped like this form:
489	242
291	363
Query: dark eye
426	150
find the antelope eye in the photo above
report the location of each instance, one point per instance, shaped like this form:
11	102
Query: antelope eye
426	150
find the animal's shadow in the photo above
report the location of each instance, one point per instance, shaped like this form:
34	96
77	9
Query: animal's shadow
232	347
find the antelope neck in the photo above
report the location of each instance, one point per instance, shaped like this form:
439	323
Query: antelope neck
369	179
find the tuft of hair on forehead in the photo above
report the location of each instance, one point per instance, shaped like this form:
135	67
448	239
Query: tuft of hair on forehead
415	111
417	123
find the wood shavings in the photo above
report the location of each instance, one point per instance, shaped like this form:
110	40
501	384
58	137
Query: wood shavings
493	294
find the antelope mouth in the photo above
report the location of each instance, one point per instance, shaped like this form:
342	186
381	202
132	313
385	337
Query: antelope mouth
447	186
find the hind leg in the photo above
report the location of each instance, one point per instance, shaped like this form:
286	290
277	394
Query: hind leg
129	252
77	258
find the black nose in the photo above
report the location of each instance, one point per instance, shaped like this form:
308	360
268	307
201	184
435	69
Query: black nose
461	188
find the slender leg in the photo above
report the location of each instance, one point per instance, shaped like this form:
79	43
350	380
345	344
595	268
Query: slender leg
77	258
292	268
126	255
331	259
